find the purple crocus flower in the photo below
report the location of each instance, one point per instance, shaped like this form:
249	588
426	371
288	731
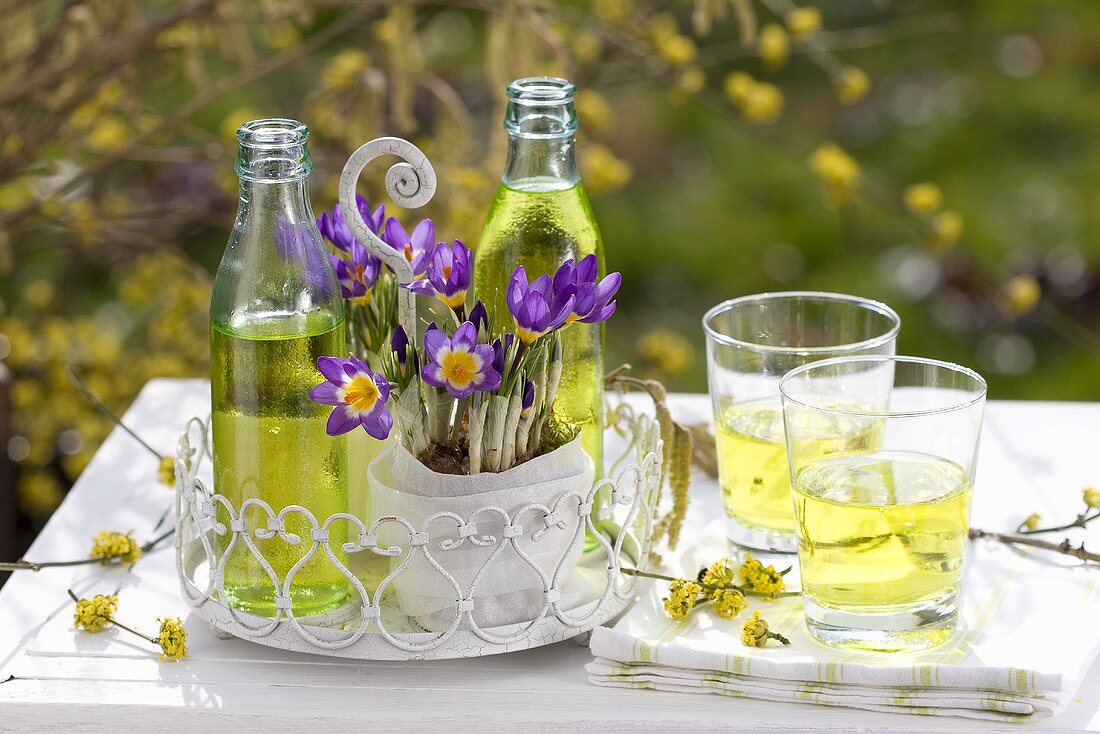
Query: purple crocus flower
459	364
358	397
479	317
537	310
336	230
593	300
416	247
500	351
358	274
448	270
528	399
399	343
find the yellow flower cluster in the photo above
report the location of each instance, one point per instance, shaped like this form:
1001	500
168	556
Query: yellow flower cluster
719	573
945	228
773	45
1019	295
172	638
754	633
836	169
93	615
803	22
671	45
728	603
108	544
603	170
759	102
681	599
666	351
852	84
1032	521
166	471
755	576
1091	495
922	198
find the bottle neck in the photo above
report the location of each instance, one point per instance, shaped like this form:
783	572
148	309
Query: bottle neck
541	163
282	200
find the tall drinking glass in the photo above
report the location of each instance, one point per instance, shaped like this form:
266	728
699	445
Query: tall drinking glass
882	529
751	343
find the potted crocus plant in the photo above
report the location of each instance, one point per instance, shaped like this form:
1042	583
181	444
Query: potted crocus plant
369	289
472	405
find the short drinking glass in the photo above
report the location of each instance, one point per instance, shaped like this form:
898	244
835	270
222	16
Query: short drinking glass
751	342
882	529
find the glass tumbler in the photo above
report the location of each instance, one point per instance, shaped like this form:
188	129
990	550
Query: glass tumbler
751	342
882	528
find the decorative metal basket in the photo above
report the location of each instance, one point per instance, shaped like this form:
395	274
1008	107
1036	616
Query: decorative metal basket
371	624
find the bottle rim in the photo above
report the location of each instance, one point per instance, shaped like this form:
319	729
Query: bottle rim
541	90
272	133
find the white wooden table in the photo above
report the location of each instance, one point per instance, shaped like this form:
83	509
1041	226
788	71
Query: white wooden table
1035	457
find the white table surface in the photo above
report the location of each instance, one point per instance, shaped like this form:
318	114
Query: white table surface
1035	457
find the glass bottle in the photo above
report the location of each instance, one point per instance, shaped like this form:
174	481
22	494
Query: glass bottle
276	307
540	218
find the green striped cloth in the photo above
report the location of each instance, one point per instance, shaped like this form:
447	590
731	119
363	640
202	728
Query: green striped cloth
1029	630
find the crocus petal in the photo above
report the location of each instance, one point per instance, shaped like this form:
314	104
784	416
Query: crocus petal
517	288
600	314
563	313
326	394
479	316
423	235
435	342
586	269
341	420
487	380
383	386
421	288
332	368
534	314
465	336
395	235
608	287
379	424
356	366
543	285
433	375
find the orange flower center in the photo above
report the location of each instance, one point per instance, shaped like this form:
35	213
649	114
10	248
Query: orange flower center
459	368
361	393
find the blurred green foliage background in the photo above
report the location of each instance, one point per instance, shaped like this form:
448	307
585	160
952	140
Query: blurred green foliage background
729	147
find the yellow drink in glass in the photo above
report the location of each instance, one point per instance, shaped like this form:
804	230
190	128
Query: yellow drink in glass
883	533
753	465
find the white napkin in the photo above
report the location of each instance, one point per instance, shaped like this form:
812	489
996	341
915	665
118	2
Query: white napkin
1029	629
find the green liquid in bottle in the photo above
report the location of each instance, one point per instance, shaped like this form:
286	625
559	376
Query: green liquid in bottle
270	443
539	224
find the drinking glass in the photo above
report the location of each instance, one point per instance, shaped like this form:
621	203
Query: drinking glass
751	342
882	529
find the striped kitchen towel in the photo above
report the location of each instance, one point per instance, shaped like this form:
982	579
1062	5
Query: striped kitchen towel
1029	630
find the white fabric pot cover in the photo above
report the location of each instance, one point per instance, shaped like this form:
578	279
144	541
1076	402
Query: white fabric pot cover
509	590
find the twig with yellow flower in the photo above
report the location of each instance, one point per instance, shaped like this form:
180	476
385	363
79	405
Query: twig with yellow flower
98	613
1030	527
714	585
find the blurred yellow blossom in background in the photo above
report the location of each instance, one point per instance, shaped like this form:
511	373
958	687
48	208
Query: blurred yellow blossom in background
852	85
922	198
836	169
1019	295
803	22
774	45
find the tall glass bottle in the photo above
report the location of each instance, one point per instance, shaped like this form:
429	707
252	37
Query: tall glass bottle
276	308
540	218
